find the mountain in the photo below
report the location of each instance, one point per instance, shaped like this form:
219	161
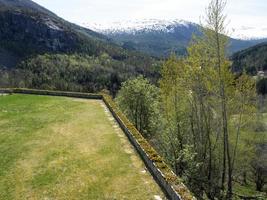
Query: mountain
253	59
157	38
28	29
160	37
23	4
38	49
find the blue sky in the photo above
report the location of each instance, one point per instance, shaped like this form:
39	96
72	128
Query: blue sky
247	17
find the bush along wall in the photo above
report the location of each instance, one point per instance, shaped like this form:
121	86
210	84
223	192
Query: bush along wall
172	185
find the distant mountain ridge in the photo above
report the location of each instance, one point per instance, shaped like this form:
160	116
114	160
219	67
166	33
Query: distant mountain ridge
160	37
134	26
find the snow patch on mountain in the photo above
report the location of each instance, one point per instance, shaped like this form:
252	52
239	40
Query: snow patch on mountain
135	26
169	26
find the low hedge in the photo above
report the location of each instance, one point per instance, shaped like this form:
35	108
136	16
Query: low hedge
51	93
167	174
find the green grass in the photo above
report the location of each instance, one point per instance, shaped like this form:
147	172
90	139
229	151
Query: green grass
64	148
253	133
265	117
247	190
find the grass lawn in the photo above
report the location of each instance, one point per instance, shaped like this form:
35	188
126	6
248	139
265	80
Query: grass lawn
66	148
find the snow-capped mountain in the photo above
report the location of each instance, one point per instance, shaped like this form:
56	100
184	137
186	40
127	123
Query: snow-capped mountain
152	36
159	37
135	26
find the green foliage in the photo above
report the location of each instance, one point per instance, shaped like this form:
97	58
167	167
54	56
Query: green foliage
77	72
138	99
169	176
175	96
206	108
205	112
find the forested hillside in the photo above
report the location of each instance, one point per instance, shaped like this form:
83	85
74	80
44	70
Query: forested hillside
76	72
26	29
38	49
252	60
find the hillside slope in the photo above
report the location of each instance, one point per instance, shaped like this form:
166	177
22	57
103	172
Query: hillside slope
28	29
252	59
38	49
24	4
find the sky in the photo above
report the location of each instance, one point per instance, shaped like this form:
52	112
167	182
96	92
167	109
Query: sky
246	18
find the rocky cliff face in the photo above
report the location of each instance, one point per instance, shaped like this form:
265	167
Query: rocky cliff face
27	29
22	5
26	34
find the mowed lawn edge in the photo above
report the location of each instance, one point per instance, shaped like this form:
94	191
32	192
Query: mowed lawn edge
66	148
